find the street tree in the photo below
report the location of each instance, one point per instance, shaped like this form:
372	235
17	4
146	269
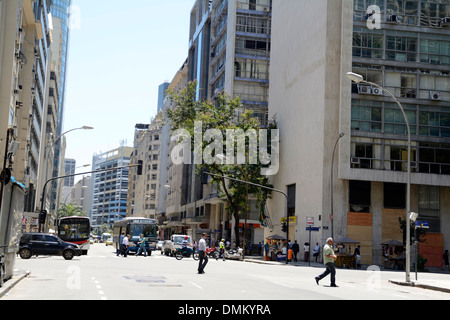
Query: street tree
71	210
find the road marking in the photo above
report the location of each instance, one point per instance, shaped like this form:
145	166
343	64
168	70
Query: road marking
196	285
99	287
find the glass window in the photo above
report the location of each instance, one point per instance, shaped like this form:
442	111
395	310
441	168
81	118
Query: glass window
429	201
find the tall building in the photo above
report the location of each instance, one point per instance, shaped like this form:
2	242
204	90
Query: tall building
69	168
240	52
24	91
109	188
171	206
403	46
162	92
143	189
60	11
229	52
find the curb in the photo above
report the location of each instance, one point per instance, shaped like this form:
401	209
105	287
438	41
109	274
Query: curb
8	285
419	285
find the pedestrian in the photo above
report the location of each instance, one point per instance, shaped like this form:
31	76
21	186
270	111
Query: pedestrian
141	244
295	249
446	265
328	259
222	249
316	251
266	249
119	250
306	255
125	244
203	258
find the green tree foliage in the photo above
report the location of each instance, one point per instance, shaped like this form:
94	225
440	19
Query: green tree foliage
70	210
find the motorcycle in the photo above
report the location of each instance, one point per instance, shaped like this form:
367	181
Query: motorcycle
212	253
180	254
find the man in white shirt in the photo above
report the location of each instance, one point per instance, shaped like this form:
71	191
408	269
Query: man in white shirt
125	244
203	258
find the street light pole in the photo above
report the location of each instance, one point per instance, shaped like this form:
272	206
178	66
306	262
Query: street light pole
331	185
357	78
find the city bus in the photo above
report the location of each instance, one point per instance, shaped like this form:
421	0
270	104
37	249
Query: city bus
76	230
135	227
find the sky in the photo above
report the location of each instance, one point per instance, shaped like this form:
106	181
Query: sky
119	54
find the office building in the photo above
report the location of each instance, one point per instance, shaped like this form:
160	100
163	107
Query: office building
109	188
402	46
24	91
143	189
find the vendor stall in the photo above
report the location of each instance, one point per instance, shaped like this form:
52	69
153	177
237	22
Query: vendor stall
276	245
345	258
393	255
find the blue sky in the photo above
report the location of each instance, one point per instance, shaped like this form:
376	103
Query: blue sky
120	52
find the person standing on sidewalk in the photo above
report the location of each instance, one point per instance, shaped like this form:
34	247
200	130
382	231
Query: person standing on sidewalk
295	249
203	258
328	259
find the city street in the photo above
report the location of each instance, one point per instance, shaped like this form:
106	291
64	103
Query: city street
103	276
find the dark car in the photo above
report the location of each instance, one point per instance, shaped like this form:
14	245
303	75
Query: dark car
41	244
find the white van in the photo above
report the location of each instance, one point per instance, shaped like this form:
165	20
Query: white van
176	240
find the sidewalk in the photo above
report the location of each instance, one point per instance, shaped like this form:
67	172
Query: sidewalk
434	279
8	285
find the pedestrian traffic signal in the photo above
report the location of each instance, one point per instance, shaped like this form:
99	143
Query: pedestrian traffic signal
284	227
139	168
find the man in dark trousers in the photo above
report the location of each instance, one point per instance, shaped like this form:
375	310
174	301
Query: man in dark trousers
203	258
295	249
328	259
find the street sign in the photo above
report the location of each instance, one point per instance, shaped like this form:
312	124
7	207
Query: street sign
310	221
422	224
316	229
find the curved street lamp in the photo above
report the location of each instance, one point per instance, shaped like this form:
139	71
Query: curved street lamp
357	78
341	135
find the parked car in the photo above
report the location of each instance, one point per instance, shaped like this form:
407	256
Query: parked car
159	245
42	244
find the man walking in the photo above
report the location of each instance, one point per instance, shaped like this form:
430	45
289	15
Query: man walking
203	258
125	245
328	259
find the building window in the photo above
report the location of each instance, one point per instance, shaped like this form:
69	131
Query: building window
394	195
291	203
366	115
359	196
367	44
429	207
434	158
401	48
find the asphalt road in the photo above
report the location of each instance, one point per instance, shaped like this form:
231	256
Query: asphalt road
103	276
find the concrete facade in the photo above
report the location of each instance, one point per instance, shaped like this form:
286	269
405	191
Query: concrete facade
314	102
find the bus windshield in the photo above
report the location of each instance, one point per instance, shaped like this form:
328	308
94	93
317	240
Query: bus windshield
74	229
148	230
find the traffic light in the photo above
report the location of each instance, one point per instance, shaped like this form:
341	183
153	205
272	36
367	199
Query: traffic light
284	227
42	216
139	168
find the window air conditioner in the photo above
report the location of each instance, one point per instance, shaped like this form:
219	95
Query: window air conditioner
434	95
445	22
364	89
377	91
355	160
392	18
